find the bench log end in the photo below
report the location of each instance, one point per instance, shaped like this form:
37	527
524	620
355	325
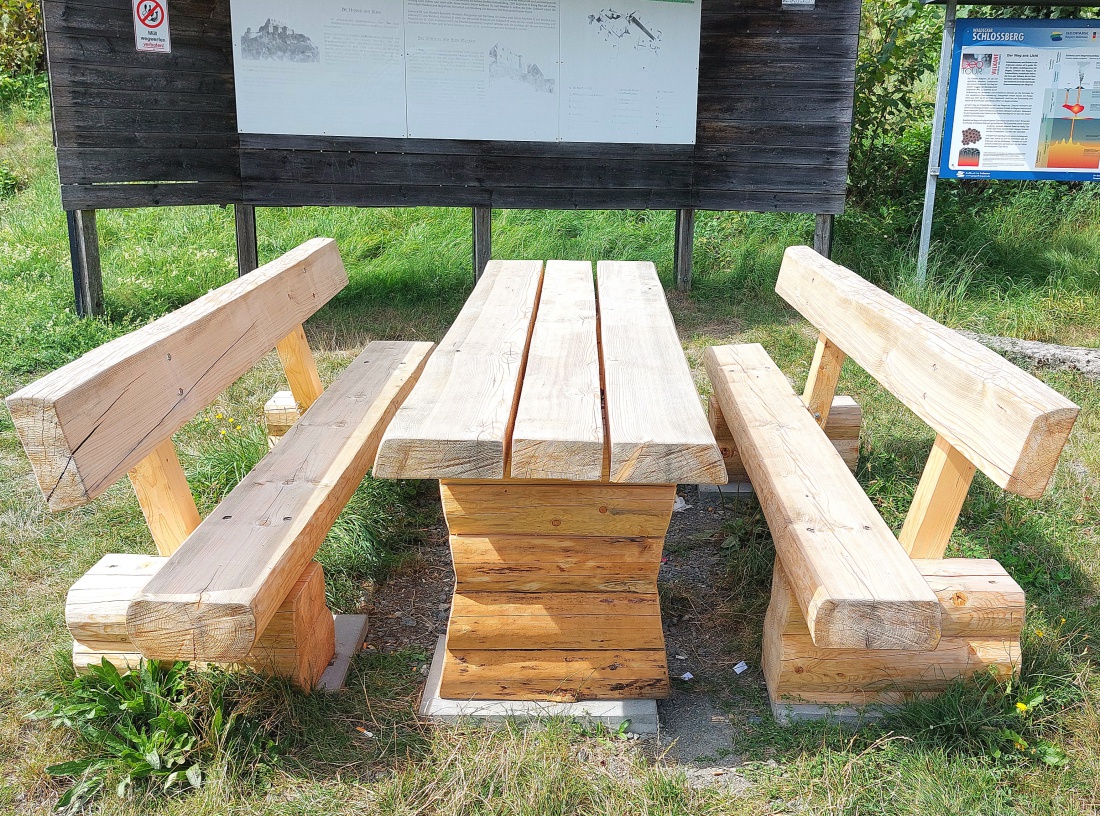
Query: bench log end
196	628
863	623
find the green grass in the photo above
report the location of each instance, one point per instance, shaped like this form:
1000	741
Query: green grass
1021	260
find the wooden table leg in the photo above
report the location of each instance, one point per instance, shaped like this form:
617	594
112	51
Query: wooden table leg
556	591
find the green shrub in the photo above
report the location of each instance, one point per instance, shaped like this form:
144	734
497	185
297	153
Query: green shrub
21	47
155	730
898	50
9	182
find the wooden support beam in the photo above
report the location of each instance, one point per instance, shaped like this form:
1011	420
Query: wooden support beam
685	239
936	504
165	497
483	239
300	368
84	253
824	375
248	254
823	234
220	590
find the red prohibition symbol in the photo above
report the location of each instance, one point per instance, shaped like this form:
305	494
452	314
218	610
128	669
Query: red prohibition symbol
150	13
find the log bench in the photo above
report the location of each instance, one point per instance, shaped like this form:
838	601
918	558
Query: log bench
239	586
858	616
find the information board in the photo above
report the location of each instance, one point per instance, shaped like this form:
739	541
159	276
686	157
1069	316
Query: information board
1024	100
518	70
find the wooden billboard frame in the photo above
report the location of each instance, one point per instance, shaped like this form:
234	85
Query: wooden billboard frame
774	120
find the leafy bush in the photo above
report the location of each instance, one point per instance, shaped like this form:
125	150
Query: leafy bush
898	50
152	730
20	37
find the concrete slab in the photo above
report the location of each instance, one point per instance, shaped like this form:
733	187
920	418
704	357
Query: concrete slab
351	631
788	713
726	495
641	714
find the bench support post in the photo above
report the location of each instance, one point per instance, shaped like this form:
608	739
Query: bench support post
84	252
300	368
685	237
936	504
165	497
244	217
483	239
824	375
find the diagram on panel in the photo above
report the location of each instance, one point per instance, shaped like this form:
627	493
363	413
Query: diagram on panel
506	64
275	40
626	29
1069	136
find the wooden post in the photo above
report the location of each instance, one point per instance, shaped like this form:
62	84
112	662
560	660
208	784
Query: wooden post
483	239
84	251
248	258
936	504
824	375
685	235
300	368
823	235
165	498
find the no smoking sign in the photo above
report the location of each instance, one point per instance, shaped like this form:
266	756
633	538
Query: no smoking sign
151	26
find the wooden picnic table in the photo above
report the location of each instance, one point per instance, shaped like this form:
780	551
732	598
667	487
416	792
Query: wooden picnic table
559	424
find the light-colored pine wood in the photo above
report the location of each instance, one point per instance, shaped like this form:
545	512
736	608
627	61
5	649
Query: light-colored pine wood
297	644
824	375
300	368
588	554
983	617
280	413
559	422
552	632
86	424
556	675
656	426
1005	421
511	604
224	584
457	420
936	504
842	428
486	508
95	608
856	586
977	597
165	497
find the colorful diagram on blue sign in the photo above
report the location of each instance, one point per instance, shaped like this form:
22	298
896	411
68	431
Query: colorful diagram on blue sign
1070	134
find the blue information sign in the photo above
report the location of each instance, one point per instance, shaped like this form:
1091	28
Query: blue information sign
1024	101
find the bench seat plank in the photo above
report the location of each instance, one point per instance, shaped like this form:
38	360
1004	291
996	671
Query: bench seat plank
854	582
657	429
87	423
456	421
559	422
226	581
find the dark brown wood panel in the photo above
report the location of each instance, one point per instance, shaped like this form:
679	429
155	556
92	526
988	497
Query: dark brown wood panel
775	106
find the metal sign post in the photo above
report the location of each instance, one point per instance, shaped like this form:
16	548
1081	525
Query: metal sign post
937	137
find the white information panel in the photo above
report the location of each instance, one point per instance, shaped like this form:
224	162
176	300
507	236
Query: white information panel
519	70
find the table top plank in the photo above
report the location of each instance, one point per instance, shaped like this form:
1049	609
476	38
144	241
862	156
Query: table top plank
456	421
656	426
559	430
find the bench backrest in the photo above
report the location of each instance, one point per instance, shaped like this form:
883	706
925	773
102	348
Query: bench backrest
1007	423
86	424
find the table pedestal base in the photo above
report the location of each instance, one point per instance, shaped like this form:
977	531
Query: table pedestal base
639	715
556	591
